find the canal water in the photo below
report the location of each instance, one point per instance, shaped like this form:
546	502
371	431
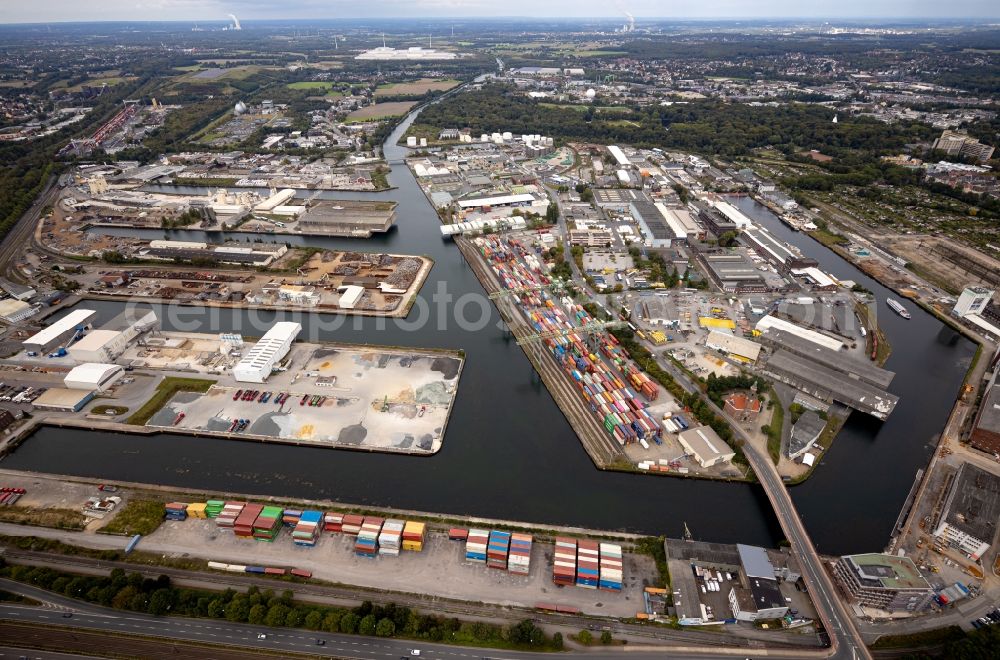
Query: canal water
852	500
508	451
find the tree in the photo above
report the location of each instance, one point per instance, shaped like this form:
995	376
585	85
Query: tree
557	641
385	628
727	238
367	625
552	213
585	637
331	622
349	623
276	615
294	618
216	608
160	602
314	620
257	614
606	637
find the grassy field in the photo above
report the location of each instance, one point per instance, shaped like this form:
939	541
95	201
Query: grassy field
55	518
380	111
109	410
164	392
416	87
138	517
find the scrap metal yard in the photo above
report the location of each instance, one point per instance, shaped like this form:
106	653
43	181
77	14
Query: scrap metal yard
333	396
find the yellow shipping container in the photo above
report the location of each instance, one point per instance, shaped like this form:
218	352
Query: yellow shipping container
197	510
415	546
414	527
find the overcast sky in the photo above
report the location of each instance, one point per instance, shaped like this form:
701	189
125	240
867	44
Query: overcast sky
12	11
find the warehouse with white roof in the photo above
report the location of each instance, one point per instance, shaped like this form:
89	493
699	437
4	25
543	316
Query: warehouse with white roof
93	376
60	332
260	360
706	446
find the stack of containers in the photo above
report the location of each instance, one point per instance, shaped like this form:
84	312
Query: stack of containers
197	510
564	567
352	523
612	399
176	511
268	523
213	508
290	518
588	564
497	549
519	559
366	545
611	567
475	545
333	521
413	535
307	528
390	539
230	512
243	525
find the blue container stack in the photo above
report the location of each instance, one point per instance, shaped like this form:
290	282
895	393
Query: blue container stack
176	511
496	551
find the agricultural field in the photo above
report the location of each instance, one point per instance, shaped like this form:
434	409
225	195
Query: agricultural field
416	87
381	111
311	84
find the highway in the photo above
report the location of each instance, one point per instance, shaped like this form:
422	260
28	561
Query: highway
85	616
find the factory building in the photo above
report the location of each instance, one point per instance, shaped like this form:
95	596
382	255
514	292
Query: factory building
17	291
971	512
591	237
779	254
974	300
775	336
61	332
826	384
109	342
986	430
93	376
758	595
260	360
523	199
769	323
15	311
884	582
350	295
805	433
733	273
738	348
706	446
62	399
258	256
618	199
